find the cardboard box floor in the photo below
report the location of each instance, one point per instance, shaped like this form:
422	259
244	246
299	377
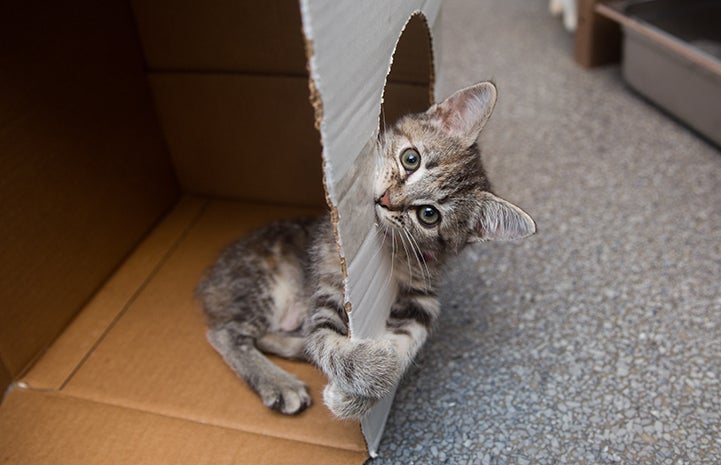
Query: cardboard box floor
133	380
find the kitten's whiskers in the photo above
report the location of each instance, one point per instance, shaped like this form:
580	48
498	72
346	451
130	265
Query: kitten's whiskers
385	230
383	242
426	275
408	257
393	250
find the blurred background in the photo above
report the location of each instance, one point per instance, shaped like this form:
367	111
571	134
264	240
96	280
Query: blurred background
599	339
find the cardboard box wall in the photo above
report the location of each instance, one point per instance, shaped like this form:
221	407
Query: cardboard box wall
135	142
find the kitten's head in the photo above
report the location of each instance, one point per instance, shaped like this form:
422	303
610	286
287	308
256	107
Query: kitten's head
431	185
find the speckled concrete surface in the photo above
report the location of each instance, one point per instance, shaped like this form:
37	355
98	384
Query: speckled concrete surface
599	339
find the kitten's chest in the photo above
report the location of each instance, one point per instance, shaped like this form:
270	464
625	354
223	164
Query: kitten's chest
290	297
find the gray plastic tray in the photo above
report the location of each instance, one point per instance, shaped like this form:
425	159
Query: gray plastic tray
672	55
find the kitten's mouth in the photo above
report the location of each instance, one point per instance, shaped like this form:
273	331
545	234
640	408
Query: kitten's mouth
385	224
381	221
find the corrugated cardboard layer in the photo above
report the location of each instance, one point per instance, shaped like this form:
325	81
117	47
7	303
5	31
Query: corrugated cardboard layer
49	428
221	35
85	173
155	357
246	137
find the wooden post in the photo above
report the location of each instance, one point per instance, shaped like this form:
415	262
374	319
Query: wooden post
598	39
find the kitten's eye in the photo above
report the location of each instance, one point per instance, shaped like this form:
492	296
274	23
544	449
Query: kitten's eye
410	159
428	216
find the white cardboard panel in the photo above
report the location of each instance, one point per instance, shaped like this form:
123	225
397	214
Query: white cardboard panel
352	45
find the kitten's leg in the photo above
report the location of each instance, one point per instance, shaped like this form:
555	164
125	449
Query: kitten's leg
410	321
285	345
366	367
278	389
406	331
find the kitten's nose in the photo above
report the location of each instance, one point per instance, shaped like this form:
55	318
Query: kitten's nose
385	200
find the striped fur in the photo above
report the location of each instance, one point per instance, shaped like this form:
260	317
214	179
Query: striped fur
280	290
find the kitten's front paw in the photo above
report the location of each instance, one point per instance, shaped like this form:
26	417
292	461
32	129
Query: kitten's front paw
370	369
289	396
344	405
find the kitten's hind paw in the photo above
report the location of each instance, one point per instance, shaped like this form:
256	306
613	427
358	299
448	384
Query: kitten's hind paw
344	405
288	397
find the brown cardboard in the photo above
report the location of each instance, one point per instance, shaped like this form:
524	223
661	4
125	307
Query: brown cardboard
401	98
85	173
261	38
410	82
241	136
413	58
43	428
5	376
152	355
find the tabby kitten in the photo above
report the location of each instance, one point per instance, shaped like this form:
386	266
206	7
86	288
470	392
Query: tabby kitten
280	290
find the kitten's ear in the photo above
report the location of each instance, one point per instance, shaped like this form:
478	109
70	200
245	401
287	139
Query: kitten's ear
499	220
464	113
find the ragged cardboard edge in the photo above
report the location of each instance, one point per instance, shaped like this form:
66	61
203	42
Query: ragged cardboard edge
66	355
431	68
431	62
316	102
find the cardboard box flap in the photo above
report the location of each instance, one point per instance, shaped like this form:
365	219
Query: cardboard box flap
351	48
41	428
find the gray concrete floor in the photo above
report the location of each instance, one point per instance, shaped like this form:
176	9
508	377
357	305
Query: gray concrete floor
599	339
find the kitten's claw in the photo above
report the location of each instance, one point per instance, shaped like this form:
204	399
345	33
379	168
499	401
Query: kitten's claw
344	405
290	397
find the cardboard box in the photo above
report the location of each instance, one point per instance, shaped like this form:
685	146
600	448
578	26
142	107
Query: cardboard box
136	141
